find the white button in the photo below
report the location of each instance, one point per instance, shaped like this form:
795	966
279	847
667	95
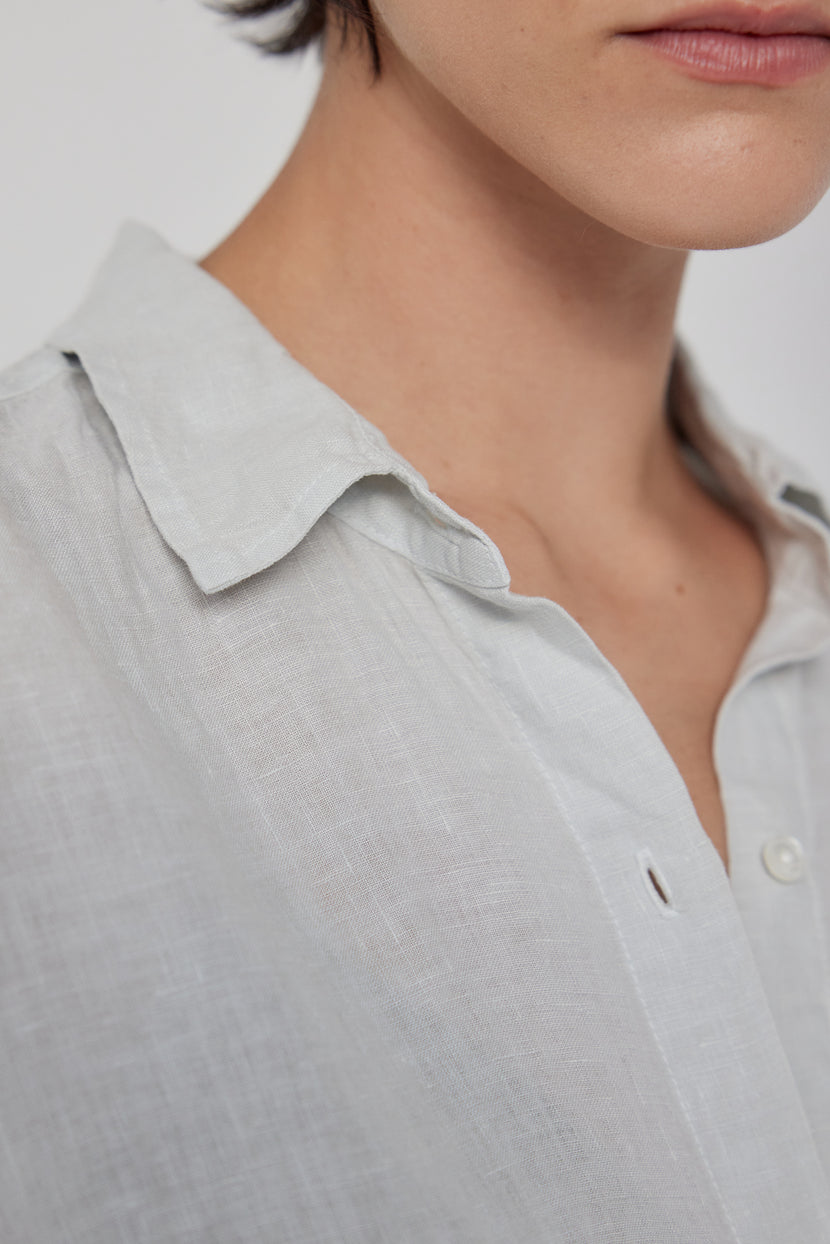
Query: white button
783	858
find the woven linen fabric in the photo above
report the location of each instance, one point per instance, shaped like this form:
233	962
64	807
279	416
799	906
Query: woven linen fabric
348	897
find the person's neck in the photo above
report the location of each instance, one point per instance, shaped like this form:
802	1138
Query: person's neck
507	344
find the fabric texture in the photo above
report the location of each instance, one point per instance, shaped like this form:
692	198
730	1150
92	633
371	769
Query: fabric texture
329	911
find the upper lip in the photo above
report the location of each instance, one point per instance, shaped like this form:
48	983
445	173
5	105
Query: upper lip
747	19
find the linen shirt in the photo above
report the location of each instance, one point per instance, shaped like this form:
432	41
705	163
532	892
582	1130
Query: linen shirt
348	896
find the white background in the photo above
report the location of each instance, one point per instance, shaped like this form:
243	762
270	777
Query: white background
156	110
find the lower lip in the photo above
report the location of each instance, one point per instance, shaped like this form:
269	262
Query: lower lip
723	56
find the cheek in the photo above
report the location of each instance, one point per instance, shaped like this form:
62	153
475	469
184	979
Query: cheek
640	148
520	72
484	57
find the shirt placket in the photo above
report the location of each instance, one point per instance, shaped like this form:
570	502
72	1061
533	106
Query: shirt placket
668	895
761	751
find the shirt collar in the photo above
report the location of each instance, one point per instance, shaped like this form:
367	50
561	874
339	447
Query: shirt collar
237	449
758	478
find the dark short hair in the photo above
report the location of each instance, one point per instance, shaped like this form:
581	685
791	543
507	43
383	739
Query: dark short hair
306	21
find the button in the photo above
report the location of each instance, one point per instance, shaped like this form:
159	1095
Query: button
783	859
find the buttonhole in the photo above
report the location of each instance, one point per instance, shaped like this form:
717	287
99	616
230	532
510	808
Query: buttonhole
656	883
653	879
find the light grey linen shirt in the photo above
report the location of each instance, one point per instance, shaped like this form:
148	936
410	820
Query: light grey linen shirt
332	869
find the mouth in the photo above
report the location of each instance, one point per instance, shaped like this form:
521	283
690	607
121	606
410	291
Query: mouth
739	43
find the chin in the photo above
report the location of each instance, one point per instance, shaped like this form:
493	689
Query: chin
746	195
737	225
723	213
717	184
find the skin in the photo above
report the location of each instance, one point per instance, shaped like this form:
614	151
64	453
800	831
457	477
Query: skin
482	253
